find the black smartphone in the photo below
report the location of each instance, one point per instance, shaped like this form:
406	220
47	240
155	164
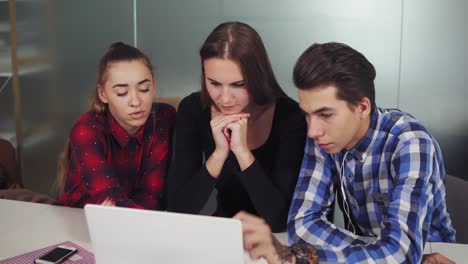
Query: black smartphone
56	255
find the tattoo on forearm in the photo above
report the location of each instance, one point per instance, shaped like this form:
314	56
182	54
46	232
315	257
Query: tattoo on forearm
284	253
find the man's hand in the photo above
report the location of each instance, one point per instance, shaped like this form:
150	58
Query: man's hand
260	242
436	258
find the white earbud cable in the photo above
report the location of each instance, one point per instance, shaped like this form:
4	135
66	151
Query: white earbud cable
346	207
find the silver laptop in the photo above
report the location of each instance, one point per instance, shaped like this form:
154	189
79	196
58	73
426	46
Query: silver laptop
123	235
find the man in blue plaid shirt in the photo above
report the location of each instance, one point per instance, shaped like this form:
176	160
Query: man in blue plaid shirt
383	167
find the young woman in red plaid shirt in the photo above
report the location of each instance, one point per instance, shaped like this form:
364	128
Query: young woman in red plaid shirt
118	152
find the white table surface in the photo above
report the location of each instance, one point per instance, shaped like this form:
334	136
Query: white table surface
25	227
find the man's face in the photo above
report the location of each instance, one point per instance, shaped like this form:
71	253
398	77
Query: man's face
332	123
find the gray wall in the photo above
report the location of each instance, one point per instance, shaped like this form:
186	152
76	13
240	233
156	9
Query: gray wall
416	46
73	35
434	74
173	31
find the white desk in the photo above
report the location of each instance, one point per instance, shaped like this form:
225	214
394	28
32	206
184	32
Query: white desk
455	252
26	227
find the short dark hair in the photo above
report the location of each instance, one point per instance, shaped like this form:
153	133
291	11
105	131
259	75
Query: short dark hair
339	65
240	43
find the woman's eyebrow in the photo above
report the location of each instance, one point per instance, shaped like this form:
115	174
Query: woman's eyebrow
120	85
143	81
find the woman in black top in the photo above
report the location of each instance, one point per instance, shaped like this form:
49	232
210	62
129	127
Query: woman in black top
240	134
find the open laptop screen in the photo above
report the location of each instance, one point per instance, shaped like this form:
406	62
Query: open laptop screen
123	235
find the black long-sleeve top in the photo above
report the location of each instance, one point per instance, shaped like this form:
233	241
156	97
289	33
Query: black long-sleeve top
265	188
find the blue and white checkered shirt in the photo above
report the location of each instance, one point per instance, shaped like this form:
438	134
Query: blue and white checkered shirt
393	182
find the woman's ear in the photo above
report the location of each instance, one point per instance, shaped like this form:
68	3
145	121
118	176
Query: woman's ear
101	94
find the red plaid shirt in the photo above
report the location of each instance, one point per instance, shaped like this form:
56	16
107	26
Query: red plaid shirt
105	162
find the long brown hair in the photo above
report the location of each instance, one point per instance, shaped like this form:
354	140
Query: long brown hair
240	43
117	52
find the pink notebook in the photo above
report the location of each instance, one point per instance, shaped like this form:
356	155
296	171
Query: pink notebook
83	256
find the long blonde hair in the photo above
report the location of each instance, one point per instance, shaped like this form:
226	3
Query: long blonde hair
117	52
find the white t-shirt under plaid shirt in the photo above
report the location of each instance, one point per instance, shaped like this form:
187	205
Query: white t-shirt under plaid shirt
393	182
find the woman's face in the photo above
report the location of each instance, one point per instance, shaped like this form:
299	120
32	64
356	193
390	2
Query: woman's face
226	85
129	91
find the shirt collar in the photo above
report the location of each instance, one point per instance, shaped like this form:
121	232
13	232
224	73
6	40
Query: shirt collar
119	133
363	148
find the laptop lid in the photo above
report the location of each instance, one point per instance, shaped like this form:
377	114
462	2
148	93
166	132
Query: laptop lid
124	235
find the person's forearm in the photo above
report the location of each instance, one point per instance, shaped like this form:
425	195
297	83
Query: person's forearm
245	159
305	253
189	190
215	163
272	192
289	254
